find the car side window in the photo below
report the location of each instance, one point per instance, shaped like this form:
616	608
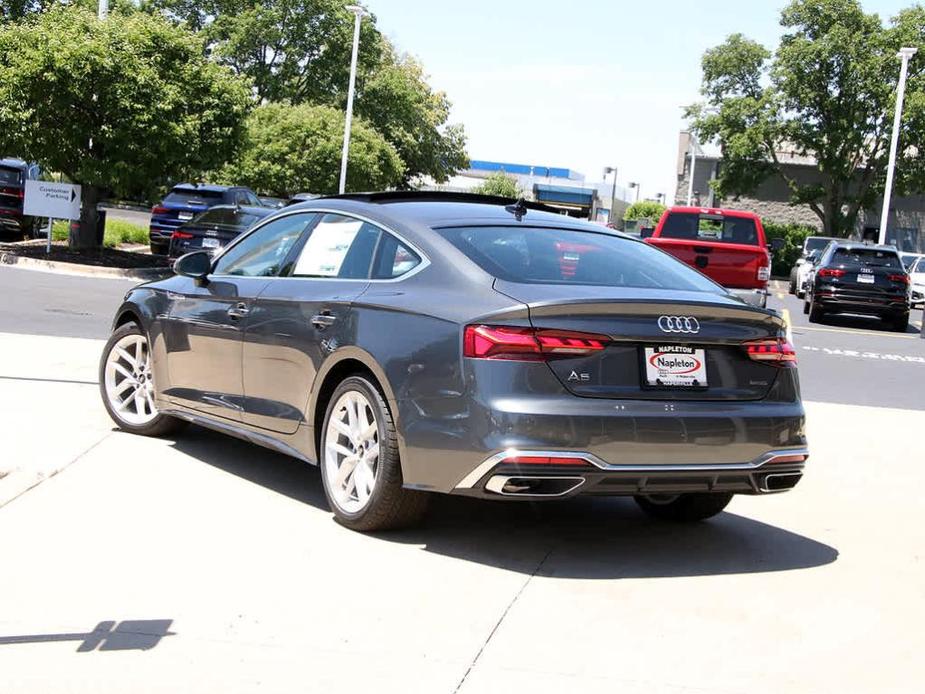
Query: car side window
339	247
263	252
393	259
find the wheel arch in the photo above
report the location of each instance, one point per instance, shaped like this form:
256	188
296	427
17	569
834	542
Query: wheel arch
346	361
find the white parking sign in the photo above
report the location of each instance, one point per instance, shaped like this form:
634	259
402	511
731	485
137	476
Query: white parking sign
54	200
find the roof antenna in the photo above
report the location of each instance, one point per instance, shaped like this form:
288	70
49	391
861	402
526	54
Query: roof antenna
518	209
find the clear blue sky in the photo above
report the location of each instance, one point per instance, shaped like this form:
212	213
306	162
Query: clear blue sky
576	84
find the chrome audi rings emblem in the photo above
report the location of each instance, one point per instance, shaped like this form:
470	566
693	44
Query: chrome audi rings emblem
678	324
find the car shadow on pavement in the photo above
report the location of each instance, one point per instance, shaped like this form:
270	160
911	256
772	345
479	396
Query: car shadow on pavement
858	322
585	537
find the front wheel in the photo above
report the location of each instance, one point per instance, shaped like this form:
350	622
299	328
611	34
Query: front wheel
683	508
360	464
127	384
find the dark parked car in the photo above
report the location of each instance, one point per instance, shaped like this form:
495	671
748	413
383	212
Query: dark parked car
185	201
862	279
13	176
215	228
418	343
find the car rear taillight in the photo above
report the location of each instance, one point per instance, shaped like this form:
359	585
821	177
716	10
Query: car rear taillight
764	273
528	344
159	209
181	235
545	460
774	351
904	279
830	272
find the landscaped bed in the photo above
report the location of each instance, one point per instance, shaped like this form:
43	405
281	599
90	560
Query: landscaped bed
104	257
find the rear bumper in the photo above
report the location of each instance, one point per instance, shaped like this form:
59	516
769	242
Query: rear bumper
857	302
770	473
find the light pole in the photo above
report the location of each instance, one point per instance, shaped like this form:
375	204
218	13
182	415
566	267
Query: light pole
358	13
694	145
102	10
904	54
636	186
613	192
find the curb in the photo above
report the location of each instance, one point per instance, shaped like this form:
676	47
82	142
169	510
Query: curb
83	270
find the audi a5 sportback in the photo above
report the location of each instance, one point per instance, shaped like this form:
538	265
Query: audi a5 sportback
862	279
419	343
215	228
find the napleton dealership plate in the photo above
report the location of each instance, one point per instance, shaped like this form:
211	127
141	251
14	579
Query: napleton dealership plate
676	365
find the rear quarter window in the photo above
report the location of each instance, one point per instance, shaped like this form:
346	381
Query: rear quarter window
539	255
707	227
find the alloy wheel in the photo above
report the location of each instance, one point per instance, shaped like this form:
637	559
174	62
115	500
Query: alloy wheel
129	381
351	451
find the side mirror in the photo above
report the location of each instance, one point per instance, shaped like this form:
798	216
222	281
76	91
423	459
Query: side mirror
197	265
777	244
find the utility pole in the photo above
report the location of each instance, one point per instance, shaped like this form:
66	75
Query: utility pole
358	13
102	11
904	54
690	183
613	192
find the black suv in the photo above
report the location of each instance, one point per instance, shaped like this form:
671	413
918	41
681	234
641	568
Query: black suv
13	176
184	202
859	278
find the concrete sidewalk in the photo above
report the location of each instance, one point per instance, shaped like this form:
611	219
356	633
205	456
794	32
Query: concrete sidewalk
205	564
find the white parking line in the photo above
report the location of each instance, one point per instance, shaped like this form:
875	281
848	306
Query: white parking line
786	315
881	333
861	354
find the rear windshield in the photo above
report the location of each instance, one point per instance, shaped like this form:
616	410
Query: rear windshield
10	177
867	256
227	218
919	266
815	243
185	196
710	227
539	255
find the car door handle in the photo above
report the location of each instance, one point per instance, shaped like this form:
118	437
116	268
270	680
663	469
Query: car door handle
323	320
238	311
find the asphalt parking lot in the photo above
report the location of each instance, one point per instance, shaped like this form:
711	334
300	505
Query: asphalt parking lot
203	563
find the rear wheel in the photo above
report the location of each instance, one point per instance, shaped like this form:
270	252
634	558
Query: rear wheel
815	312
900	323
159	249
683	508
127	384
360	464
805	305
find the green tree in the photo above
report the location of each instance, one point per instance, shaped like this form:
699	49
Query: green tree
500	184
289	149
827	92
644	209
118	106
298	51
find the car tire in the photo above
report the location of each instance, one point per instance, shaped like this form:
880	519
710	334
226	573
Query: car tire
159	249
122	376
815	312
684	508
805	305
793	285
370	494
901	323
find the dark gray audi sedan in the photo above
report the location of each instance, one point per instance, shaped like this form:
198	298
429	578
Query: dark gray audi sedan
411	343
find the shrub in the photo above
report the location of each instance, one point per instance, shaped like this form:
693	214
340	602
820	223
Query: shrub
117	231
644	209
794	235
500	184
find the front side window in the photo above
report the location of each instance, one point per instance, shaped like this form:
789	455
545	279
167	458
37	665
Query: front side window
263	252
339	247
539	255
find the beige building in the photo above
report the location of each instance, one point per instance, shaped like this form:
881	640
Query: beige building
905	225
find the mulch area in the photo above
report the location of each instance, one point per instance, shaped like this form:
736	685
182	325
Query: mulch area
104	257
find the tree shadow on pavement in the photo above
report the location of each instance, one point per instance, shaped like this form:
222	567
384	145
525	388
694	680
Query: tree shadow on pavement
584	537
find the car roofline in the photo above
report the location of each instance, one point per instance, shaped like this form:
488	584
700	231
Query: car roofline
398	196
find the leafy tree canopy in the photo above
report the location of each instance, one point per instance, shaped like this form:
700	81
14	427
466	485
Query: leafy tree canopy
499	183
117	106
290	149
827	92
644	209
298	51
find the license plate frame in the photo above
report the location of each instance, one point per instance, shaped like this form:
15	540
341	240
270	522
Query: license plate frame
211	243
674	367
184	216
864	278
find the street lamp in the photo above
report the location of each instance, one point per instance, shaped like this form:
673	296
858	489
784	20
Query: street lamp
694	147
102	10
358	13
904	54
636	186
613	193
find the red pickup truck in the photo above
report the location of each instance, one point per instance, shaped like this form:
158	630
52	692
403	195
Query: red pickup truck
728	246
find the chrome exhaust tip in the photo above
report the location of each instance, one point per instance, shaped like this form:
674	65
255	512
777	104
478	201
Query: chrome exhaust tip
519	485
779	481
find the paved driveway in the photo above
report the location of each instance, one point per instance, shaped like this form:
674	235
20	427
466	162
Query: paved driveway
205	564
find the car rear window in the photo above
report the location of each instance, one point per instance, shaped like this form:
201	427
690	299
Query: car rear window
227	218
816	243
870	257
10	177
710	227
186	196
539	255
